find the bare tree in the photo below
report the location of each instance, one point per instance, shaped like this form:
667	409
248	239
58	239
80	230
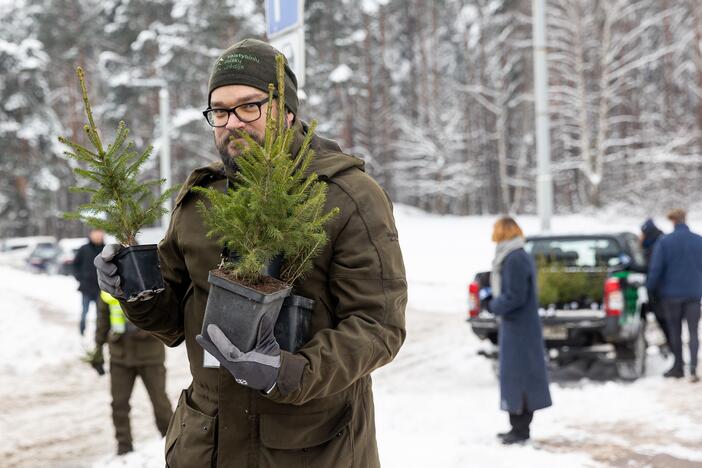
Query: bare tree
597	51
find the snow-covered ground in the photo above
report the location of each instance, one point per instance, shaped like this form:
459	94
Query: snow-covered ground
436	404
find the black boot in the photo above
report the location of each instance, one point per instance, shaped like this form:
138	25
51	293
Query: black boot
520	428
123	449
675	373
502	435
514	438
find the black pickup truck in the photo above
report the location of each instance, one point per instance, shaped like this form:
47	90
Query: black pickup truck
592	299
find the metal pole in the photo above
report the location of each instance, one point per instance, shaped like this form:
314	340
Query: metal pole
544	194
164	107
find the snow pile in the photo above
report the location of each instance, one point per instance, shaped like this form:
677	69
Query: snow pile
33	310
146	455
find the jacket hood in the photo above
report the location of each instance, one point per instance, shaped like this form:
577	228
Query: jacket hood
213	171
650	232
649	229
328	160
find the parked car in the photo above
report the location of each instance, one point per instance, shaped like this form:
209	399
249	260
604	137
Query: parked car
15	251
42	255
14	244
592	299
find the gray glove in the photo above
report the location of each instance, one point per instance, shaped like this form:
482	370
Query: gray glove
109	279
257	369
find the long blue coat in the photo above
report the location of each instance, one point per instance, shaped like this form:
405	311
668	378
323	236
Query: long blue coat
523	376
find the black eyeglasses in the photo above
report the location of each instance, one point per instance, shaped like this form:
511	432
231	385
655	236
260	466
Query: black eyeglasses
247	113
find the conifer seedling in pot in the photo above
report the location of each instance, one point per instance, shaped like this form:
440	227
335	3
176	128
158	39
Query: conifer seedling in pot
272	213
119	203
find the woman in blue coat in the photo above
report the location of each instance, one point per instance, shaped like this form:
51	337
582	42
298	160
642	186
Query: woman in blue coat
523	376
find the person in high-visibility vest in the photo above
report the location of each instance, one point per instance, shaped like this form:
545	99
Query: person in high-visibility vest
133	352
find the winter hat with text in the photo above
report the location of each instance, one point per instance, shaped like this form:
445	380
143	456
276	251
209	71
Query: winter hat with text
252	62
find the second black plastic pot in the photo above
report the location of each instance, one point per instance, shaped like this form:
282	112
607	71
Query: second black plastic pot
237	310
139	269
293	325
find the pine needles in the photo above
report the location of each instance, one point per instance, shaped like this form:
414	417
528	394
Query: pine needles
274	208
119	204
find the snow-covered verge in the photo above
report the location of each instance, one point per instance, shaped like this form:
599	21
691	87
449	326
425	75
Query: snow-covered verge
436	404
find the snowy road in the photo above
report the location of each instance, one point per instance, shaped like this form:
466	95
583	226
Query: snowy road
58	414
436	405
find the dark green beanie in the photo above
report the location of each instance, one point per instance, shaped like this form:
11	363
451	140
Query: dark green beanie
252	62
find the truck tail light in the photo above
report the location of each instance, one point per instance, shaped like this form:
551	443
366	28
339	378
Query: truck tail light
473	299
613	297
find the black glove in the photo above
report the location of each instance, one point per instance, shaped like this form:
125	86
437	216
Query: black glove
96	360
108	276
257	369
99	368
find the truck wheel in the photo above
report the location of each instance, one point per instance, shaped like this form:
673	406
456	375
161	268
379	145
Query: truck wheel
631	357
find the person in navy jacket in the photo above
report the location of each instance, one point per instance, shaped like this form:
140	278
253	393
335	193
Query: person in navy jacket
523	376
675	273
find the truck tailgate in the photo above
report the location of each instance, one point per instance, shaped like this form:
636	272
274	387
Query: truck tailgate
556	323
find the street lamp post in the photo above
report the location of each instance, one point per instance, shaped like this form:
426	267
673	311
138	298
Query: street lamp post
165	166
165	150
544	193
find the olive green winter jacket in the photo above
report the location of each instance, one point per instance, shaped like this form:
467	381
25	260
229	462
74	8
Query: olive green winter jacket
136	348
321	413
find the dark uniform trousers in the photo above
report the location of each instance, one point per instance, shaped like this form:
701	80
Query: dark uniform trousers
676	310
133	353
122	379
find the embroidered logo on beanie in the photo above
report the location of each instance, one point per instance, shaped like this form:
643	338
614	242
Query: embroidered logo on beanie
235	62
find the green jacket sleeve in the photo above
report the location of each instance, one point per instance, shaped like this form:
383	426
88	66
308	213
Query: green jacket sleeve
368	286
102	325
163	314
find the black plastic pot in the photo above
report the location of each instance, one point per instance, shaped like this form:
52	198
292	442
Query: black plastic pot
139	269
272	268
274	265
237	310
293	325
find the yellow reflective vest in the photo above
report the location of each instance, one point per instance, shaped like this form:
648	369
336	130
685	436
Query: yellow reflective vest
118	321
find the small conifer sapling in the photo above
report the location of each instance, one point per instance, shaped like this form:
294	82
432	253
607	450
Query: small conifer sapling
119	203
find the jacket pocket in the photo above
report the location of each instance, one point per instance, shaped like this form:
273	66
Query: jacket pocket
321	439
191	437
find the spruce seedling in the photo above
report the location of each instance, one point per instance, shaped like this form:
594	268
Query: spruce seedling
119	204
274	207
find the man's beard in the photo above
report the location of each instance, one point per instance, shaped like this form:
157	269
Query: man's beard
229	151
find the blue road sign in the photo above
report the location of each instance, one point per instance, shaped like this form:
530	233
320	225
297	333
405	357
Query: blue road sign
282	15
